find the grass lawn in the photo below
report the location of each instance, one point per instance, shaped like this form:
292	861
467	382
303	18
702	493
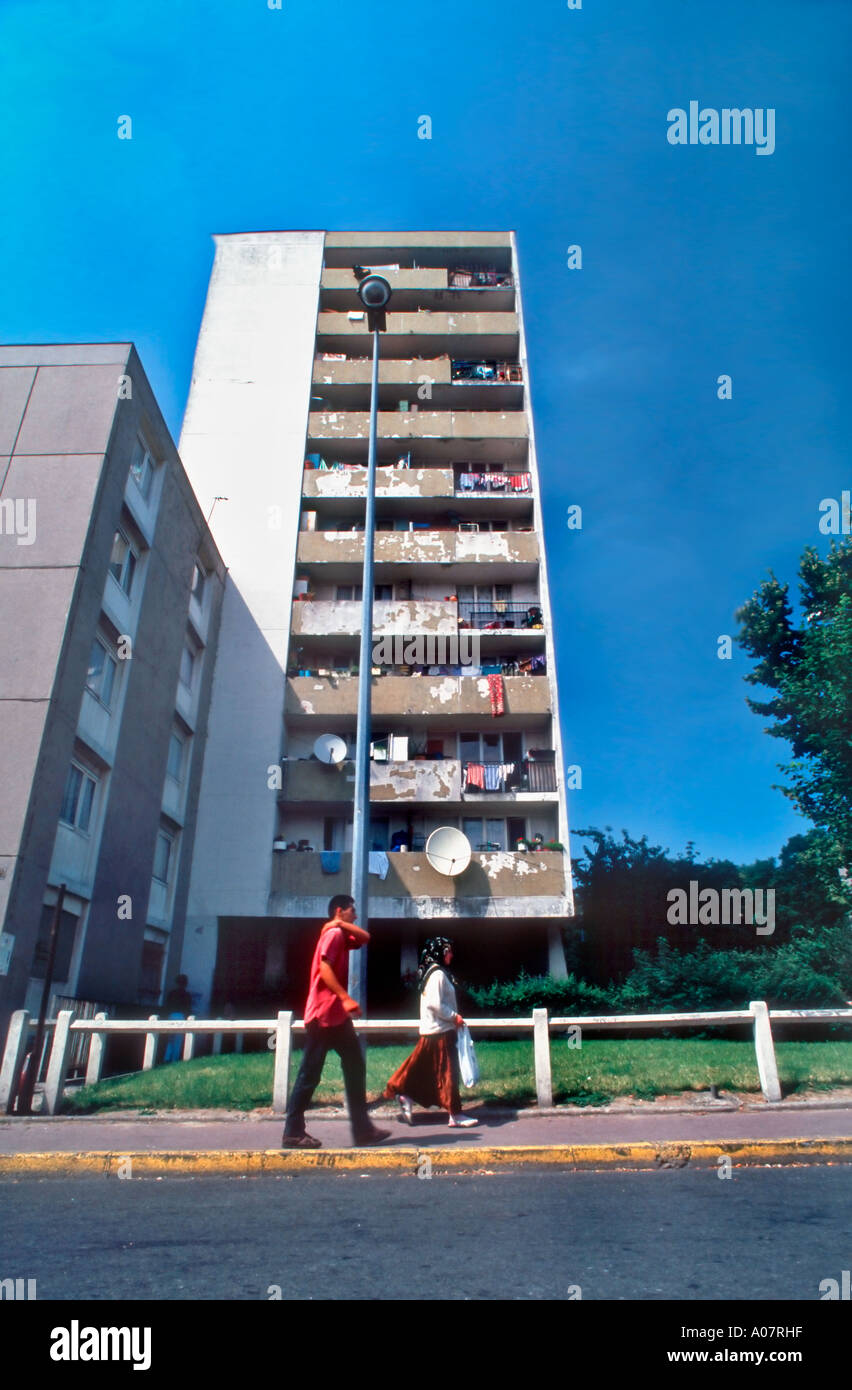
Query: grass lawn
591	1075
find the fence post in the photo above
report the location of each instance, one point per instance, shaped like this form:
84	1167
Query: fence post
58	1064
541	1045
217	1043
188	1041
13	1057
94	1065
150	1046
764	1047
281	1075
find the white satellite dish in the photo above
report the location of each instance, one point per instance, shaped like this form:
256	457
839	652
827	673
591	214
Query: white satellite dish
448	850
330	748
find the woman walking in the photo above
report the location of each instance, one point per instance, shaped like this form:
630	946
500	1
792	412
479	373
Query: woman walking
430	1076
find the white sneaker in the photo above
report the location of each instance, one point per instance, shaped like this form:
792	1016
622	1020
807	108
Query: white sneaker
405	1106
462	1121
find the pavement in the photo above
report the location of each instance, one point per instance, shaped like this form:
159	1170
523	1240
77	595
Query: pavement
644	1135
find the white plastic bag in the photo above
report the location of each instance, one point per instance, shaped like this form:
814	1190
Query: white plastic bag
468	1065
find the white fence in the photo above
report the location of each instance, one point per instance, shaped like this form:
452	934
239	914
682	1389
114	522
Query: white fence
65	1028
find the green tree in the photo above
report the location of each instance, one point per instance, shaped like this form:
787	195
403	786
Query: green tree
809	668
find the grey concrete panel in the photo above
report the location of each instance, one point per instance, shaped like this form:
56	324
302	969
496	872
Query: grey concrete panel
63	488
15	383
71	410
23	726
34	607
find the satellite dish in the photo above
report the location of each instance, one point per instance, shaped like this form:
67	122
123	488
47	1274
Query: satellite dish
330	748
448	850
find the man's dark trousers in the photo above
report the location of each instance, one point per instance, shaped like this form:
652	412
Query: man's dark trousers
319	1041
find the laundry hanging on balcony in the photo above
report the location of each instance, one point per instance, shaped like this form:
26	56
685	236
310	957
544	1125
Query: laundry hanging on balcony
520	482
475	776
495	694
496	775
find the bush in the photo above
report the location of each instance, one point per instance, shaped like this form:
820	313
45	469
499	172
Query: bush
813	970
517	998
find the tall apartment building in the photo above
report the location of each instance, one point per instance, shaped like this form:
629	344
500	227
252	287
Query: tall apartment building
276	430
110	593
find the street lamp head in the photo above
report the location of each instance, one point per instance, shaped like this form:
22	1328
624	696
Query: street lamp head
374	292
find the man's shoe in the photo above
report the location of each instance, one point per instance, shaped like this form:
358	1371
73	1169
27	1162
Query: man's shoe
406	1110
300	1141
375	1136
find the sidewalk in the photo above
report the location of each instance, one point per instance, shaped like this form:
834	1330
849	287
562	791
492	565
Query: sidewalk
817	1131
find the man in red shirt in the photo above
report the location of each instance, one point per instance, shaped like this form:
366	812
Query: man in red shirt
328	1026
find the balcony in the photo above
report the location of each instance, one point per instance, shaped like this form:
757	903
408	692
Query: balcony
488	436
329	703
424	333
421	779
501	615
398	483
462	555
344	382
488	779
425	287
496	884
342	617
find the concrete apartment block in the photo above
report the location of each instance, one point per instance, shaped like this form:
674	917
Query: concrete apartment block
102	602
276	425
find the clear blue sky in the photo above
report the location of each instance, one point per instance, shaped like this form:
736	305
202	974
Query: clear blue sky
697	261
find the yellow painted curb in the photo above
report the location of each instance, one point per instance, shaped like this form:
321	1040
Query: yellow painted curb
408	1159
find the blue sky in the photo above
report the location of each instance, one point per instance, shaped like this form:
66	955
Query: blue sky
697	261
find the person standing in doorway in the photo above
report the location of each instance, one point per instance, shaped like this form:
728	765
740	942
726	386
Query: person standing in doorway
328	1027
430	1076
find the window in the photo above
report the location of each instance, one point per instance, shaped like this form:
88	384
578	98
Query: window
101	675
174	765
199	579
122	564
348	591
79	795
188	659
494	837
163	856
142	468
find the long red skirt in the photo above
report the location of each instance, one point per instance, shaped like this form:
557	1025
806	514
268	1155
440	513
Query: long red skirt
430	1076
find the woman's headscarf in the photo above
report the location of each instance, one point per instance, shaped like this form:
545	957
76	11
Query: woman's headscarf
432	957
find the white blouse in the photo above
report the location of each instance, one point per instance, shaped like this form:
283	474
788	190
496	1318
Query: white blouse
437	1004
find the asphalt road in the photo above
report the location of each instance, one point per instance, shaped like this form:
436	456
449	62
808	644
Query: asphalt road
679	1234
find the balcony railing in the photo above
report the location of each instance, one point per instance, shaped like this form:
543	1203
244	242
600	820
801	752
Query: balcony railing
501	615
504	483
466	278
510	777
489	369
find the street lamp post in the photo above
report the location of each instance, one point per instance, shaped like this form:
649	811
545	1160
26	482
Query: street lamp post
375	293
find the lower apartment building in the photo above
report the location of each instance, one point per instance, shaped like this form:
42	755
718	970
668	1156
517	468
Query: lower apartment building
110	594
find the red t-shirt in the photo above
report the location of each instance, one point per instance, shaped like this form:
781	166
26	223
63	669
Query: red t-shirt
323	1006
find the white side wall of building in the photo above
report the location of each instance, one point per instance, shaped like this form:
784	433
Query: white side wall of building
243	440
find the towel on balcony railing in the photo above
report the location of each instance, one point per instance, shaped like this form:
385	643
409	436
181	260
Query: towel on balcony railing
495	693
495	775
467	481
378	863
330	861
497	481
520	482
475	776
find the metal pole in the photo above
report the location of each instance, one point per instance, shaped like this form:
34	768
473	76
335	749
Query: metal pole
25	1098
361	815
